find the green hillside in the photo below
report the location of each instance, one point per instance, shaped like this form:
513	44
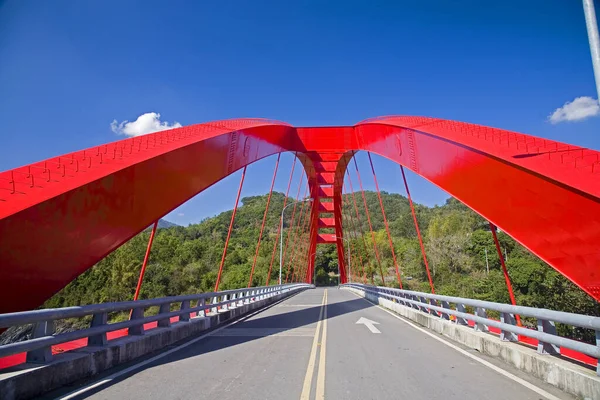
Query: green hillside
186	259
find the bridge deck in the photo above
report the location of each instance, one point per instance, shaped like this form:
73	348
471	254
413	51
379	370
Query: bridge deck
267	356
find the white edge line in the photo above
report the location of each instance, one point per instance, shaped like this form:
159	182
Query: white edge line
127	370
488	364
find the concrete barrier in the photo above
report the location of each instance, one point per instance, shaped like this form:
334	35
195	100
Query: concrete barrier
565	375
29	380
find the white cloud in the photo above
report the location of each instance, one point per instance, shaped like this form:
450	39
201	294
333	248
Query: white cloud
180	214
577	110
145	123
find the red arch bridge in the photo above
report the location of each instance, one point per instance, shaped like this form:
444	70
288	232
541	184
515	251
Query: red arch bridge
61	216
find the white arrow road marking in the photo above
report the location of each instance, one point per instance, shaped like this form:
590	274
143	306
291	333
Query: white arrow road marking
369	324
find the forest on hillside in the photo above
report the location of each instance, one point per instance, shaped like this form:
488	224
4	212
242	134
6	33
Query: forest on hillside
185	260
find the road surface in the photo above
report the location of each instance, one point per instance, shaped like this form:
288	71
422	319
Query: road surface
310	346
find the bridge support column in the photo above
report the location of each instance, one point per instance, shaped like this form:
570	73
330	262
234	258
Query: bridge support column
325	171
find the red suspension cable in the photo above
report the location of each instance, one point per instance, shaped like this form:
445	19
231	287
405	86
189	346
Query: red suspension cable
279	224
369	220
296	236
297	244
414	215
304	243
358	217
387	228
262	226
237	200
505	271
287	239
310	265
350	218
362	262
146	257
348	236
294	248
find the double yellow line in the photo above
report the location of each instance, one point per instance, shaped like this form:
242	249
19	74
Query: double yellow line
306	388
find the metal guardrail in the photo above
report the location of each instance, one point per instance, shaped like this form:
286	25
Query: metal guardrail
548	340
39	349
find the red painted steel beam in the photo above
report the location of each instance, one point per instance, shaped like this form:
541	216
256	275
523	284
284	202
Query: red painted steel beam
237	201
326	238
262	225
77	208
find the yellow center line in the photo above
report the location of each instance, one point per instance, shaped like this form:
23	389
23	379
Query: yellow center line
322	353
313	355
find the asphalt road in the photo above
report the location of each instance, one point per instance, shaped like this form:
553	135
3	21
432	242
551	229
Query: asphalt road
299	349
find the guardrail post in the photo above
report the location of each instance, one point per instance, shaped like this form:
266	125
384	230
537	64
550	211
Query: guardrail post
507	336
201	303
546	326
185	305
136	313
461	320
399	297
164	309
432	302
422	307
99	319
225	307
213	302
43	355
598	345
446	306
481	327
414	297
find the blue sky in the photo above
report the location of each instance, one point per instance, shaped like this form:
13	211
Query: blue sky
69	68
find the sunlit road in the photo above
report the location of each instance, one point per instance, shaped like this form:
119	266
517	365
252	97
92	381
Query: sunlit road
310	346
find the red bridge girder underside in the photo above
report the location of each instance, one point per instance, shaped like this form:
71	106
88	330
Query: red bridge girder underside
60	216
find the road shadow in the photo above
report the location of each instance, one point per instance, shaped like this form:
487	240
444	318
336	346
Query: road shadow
282	321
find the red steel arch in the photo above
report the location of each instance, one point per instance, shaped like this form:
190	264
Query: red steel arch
60	216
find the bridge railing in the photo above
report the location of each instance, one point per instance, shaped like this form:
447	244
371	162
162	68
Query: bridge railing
39	347
548	340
